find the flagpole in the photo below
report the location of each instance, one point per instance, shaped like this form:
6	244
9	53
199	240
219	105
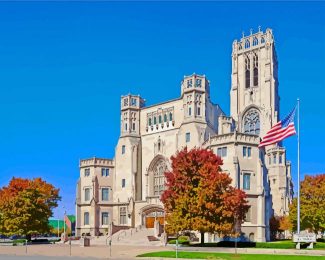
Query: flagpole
298	199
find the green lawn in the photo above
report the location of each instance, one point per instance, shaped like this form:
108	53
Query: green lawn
224	256
284	244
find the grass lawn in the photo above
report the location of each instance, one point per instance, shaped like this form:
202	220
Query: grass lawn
284	244
224	256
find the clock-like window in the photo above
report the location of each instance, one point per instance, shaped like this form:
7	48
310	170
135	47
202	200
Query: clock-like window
251	122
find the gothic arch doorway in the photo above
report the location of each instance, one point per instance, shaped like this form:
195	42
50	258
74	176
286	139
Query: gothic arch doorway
152	213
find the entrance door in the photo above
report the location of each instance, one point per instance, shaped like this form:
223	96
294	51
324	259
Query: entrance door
150	221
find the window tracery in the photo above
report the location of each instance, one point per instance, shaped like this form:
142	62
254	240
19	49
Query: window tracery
251	122
159	177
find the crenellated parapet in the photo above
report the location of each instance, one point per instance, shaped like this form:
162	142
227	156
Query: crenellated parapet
253	41
235	137
96	162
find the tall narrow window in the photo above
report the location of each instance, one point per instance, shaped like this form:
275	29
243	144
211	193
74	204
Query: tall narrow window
280	159
105	218
247	44
87	194
189	111
247	73
105	194
122	215
247	181
133	126
149	121
255	71
249	151
123	183
274	159
165	118
86	218
126	126
170	116
198	111
189	83
154	120
123	149
159	119
188	137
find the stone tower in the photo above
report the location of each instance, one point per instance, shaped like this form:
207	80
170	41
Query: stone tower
127	186
254	83
255	106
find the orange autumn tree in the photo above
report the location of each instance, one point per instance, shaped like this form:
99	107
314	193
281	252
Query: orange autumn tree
26	205
312	204
199	196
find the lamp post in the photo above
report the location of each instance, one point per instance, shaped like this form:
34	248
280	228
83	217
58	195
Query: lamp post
64	222
58	227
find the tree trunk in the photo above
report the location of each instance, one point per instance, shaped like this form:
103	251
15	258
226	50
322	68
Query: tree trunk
29	237
202	238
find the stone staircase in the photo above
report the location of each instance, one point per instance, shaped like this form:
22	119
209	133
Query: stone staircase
134	236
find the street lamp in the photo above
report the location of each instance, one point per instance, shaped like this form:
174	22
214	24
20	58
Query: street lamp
64	222
58	226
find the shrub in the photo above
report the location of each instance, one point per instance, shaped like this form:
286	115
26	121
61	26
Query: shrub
183	238
180	242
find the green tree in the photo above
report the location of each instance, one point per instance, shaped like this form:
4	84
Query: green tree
26	206
199	196
312	204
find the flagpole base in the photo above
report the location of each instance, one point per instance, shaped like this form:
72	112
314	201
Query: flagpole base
298	246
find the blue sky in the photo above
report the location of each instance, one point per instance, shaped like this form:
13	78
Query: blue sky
64	66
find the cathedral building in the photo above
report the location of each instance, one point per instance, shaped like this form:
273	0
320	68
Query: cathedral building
125	191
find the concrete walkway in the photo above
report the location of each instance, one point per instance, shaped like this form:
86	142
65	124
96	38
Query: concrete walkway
130	252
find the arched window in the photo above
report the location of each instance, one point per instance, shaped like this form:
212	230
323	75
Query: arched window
165	118
255	41
247	73
251	122
255	71
159	178
262	40
170	116
247	44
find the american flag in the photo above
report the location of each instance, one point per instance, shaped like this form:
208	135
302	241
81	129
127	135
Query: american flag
280	130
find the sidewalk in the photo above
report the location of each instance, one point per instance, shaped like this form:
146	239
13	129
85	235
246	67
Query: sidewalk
130	252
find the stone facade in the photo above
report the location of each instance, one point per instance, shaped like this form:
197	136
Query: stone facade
125	191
